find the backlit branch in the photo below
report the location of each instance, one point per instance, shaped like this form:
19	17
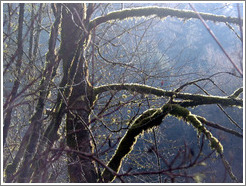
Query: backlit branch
146	121
161	12
191	100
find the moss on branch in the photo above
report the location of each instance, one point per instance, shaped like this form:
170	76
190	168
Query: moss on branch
161	12
217	126
146	121
185	114
192	100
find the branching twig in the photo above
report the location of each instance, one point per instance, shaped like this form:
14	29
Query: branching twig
217	41
192	99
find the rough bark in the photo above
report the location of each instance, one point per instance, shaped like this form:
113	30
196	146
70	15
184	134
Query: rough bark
75	38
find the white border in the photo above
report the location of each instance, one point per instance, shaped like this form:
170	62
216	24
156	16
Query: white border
142	2
2	183
244	92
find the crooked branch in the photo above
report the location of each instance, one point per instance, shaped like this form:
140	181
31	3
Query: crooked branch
191	100
161	12
146	121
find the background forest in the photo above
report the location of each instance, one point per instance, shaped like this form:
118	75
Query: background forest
122	92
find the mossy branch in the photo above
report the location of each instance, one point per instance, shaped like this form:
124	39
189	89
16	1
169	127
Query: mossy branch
161	12
183	113
146	121
217	126
192	100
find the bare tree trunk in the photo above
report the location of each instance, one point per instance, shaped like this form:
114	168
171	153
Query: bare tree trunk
29	142
7	119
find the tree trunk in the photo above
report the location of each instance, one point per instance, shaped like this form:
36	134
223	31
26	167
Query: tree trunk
75	38
7	119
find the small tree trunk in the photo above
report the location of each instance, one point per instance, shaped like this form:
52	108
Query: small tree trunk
7	119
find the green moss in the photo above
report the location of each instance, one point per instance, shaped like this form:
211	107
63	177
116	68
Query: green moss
214	142
125	147
216	145
183	113
189	100
159	12
179	112
146	121
193	120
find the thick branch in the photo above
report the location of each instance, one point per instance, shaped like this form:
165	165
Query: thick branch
161	12
146	121
191	99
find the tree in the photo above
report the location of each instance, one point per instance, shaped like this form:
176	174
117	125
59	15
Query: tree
68	119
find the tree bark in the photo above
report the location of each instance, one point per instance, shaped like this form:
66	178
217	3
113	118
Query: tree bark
75	38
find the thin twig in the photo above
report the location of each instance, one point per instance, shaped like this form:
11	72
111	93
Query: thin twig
216	39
